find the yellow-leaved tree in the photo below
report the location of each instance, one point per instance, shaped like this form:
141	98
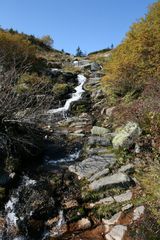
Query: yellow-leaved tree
136	59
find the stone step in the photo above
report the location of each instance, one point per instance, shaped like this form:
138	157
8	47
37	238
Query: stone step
113	220
117	179
93	165
99	141
124	197
97	151
117	233
98	175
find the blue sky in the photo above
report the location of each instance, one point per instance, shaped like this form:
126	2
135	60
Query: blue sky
91	24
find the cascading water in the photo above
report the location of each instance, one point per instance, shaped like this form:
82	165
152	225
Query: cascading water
57	229
70	158
12	218
75	96
10	208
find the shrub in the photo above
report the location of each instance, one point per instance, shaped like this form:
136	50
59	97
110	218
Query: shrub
145	110
16	50
47	40
136	59
60	90
33	83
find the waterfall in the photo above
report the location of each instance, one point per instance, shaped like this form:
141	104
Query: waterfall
75	96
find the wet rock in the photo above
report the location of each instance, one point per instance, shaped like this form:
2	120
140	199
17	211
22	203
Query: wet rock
58	231
127	135
52	221
82	224
117	233
34	227
100	131
138	212
58	227
4	178
31	205
111	181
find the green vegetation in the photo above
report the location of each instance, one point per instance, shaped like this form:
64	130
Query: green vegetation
149	179
101	51
79	52
61	89
132	84
31	82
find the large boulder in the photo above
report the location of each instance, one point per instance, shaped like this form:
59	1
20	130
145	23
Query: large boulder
100	131
127	136
93	165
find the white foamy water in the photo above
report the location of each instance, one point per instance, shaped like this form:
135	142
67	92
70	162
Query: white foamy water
27	181
61	219
10	207
20	238
75	96
71	158
11	217
57	228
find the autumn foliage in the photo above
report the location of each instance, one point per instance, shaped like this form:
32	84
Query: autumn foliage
16	50
132	80
136	59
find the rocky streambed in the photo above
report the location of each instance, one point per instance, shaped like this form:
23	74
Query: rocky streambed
79	190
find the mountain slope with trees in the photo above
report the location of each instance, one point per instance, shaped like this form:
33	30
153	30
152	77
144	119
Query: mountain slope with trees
132	75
